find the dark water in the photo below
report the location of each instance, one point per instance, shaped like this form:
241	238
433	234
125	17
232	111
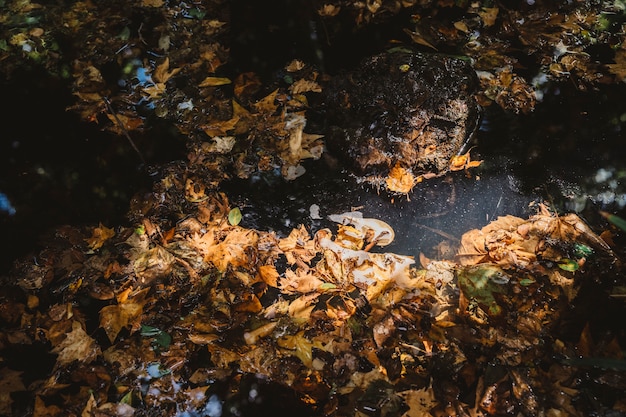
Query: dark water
568	153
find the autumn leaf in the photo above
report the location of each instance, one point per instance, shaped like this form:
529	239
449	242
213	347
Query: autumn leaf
401	180
220	128
305	86
619	68
231	250
162	73
128	313
300	346
77	346
214	82
99	235
269	275
267	104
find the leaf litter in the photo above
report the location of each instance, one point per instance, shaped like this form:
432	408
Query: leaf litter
346	327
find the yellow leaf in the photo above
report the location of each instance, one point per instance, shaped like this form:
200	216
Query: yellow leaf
269	275
489	15
400	180
162	73
114	318
214	81
221	127
266	104
99	235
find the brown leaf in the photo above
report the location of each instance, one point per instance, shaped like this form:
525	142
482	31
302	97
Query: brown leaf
304	86
114	318
269	275
267	104
77	346
162	73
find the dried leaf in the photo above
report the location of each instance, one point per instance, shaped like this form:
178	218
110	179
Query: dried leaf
128	313
77	346
305	86
401	180
214	82
99	235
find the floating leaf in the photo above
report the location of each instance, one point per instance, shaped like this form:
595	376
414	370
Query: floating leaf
480	282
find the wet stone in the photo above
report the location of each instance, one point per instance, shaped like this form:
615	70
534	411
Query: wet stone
402	109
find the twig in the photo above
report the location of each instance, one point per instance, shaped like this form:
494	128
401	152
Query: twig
123	129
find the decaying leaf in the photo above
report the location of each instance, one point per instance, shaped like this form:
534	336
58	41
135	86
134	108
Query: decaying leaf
77	346
127	313
99	235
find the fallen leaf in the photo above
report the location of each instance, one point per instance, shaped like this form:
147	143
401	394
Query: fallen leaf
99	235
77	346
114	318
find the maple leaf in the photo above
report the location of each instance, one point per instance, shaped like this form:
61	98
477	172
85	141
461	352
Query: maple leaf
126	313
299	282
99	235
298	246
231	250
77	346
299	346
162	73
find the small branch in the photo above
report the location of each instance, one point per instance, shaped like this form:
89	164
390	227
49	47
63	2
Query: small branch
123	129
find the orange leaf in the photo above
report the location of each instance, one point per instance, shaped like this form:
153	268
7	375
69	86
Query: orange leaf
99	235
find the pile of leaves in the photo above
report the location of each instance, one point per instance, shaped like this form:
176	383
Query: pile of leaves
146	319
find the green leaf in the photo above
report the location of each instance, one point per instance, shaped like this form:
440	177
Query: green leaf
234	216
568	265
161	339
582	251
149	331
615	220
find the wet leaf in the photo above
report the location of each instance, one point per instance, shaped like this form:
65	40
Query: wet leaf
126	313
234	216
161	339
77	346
481	282
568	265
99	235
400	180
615	220
214	82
